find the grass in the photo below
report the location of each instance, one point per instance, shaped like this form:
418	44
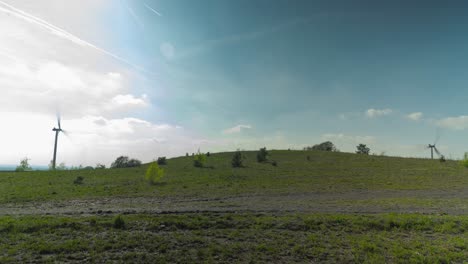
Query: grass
325	172
228	238
291	235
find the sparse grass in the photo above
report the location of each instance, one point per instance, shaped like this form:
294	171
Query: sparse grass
246	237
328	238
325	172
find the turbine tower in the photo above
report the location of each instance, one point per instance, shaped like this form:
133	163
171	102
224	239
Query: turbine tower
57	131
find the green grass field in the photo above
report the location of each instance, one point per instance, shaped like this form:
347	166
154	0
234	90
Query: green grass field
311	207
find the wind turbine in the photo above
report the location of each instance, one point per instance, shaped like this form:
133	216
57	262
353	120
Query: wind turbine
434	148
57	131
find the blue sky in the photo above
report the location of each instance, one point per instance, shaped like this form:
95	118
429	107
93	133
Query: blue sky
223	75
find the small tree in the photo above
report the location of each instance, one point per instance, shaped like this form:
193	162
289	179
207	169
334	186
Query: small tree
362	149
199	160
162	161
237	160
100	166
62	166
154	173
125	162
133	163
324	146
120	162
262	155
24	165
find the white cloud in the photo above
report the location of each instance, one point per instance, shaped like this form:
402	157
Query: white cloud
92	139
373	113
455	123
129	100
41	72
416	116
236	129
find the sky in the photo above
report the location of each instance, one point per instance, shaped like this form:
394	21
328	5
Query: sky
150	78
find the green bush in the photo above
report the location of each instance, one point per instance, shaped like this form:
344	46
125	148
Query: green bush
154	173
79	180
237	160
119	223
464	161
24	165
199	160
125	162
262	155
362	149
162	161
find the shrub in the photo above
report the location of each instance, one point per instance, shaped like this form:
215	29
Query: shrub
362	149
274	163
125	162
324	146
464	162
154	173
162	161
78	180
100	166
133	163
119	222
237	160
262	155
199	160
24	165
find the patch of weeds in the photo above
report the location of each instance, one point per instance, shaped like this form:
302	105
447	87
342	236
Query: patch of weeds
119	222
79	180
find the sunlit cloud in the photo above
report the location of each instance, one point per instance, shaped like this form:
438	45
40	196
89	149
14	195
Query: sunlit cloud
416	116
373	113
236	129
11	10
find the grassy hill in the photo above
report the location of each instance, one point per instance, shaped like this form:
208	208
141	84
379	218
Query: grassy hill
311	207
296	173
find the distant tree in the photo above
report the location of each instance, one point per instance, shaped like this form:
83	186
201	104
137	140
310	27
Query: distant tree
237	160
125	162
208	154
262	155
61	166
362	149
100	166
133	163
120	162
324	146
88	168
199	160
162	161
24	165
186	154
154	173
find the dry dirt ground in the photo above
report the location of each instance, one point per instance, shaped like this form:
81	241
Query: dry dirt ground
356	201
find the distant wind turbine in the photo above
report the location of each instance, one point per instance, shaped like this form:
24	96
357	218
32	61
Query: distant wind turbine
57	131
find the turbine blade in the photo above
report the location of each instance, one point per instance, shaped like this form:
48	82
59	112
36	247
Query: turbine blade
437	151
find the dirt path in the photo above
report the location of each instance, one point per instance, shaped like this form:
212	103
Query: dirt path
357	201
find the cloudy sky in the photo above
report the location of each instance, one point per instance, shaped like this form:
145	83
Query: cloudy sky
149	78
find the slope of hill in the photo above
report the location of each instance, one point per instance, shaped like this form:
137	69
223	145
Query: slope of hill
311	207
